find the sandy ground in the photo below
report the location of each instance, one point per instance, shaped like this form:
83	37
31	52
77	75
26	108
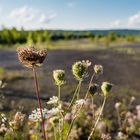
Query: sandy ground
120	67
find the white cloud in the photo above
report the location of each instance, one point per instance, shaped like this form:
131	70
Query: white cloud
24	14
46	18
134	20
29	17
115	23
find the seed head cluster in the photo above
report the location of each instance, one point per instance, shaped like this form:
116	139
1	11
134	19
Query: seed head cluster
31	57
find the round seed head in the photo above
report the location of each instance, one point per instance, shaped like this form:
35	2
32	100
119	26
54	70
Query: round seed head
106	88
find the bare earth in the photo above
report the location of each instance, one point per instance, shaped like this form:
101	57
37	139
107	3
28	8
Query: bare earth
120	67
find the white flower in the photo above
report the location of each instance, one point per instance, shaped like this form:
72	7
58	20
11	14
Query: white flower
53	100
54	111
117	105
36	115
87	63
80	102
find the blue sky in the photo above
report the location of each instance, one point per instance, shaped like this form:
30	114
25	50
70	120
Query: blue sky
70	14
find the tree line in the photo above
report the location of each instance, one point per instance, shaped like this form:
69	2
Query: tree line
14	36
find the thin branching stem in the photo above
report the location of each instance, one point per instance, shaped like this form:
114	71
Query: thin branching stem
92	77
97	121
39	102
74	96
59	94
71	125
119	119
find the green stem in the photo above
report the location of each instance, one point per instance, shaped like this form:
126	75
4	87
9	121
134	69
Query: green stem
78	92
74	96
119	119
92	77
97	121
70	128
54	132
59	94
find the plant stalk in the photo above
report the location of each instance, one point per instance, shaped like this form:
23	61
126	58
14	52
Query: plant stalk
97	121
39	102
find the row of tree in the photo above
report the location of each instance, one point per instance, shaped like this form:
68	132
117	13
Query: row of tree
13	36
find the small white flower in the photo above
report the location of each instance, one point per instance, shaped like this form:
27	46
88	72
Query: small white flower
54	111
117	105
53	100
87	63
36	115
80	102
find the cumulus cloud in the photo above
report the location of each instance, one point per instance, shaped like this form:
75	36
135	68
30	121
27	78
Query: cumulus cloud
27	15
134	20
24	14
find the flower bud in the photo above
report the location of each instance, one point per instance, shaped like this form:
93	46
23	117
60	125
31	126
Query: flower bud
93	89
117	105
98	69
106	88
79	69
59	77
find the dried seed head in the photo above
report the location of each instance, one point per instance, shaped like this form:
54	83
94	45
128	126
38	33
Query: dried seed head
106	88
93	89
30	57
59	77
98	69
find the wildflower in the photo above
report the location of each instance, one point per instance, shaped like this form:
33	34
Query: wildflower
93	89
117	105
54	111
36	115
98	69
53	100
80	102
79	69
31	57
59	76
3	130
122	136
68	117
106	88
2	85
87	63
132	99
3	118
19	117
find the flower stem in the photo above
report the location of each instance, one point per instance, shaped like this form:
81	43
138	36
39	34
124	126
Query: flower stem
119	119
92	77
70	128
39	102
97	121
59	95
76	92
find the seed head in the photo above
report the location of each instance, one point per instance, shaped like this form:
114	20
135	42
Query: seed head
59	77
106	88
31	57
79	69
93	89
98	69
